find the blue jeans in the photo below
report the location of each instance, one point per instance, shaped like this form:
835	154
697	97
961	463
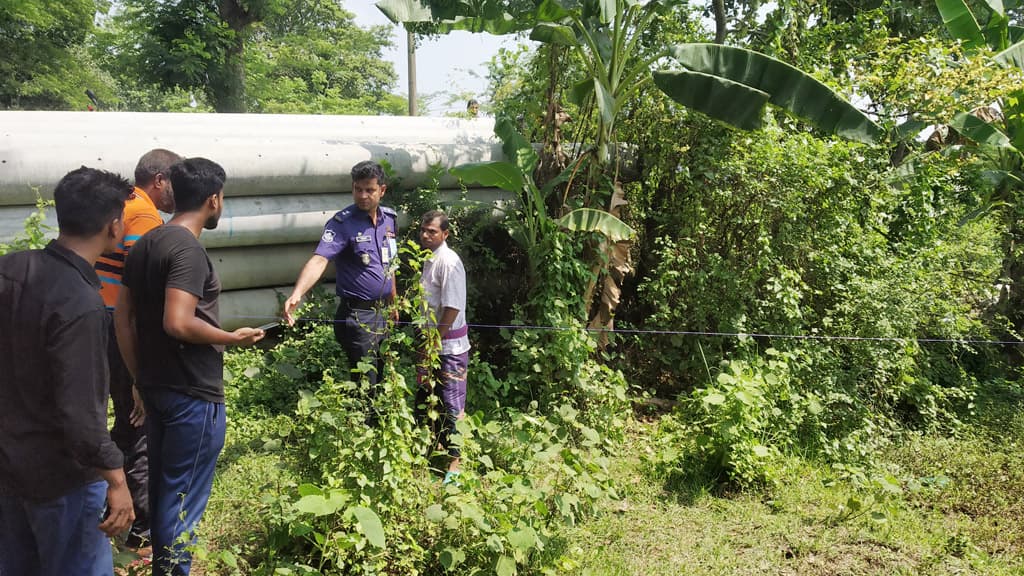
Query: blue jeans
56	538
186	435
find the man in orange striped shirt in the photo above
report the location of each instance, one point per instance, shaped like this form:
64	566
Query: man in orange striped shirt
153	192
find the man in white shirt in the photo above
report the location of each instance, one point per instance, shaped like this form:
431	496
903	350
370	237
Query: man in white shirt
444	286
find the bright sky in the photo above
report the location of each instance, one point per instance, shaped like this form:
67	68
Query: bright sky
447	65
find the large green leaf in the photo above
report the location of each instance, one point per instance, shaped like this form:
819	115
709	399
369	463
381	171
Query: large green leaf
720	98
980	131
590	220
319	505
996	6
605	103
399	11
506	566
551	11
581	91
515	146
960	22
787	87
371	525
499	174
1012	56
448	17
553	34
1016	33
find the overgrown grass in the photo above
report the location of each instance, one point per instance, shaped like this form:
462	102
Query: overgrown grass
959	510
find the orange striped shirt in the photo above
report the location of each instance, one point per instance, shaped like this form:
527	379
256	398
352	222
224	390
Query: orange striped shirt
140	216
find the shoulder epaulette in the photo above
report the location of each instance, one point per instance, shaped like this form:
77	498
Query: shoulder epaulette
343	215
389	211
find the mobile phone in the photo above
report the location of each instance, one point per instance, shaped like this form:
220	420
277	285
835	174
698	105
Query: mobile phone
269	325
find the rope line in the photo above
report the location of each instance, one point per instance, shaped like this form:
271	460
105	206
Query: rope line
761	335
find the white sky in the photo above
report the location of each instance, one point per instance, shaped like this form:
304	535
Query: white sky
449	64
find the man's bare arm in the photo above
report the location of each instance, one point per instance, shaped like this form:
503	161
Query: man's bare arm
181	323
124	330
308	277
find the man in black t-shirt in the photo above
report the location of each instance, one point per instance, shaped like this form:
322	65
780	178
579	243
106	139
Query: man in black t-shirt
168	329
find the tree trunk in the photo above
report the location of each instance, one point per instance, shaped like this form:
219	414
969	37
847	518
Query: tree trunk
227	87
720	22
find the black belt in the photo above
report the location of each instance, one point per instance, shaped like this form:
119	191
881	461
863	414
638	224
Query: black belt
357	304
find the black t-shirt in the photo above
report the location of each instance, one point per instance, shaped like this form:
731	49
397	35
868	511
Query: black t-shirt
171	257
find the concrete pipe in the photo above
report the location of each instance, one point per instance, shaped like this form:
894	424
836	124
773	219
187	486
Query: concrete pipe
261	266
256	307
262	154
261	220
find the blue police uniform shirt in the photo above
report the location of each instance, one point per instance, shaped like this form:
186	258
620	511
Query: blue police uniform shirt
362	252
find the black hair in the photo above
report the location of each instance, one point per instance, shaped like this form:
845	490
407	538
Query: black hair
368	169
470	102
194	180
87	199
436	215
156	161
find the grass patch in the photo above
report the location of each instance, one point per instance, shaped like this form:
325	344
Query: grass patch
955	508
969	524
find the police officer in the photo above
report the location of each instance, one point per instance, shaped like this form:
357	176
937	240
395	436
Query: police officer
361	241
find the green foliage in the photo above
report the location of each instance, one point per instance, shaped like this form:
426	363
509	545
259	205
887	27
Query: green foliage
35	230
312	59
45	63
364	499
746	80
742	423
300	56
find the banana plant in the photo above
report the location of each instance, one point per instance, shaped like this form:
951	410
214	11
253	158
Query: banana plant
997	137
730	84
727	83
516	176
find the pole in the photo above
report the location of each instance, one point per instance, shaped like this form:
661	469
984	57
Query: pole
411	44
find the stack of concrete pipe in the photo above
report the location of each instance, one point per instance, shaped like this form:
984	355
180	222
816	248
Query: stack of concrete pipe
286	176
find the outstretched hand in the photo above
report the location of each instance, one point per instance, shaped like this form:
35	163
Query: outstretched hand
248	336
289	306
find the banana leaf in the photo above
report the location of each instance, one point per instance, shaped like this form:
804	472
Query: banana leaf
591	220
960	22
720	98
979	131
787	87
553	34
447	20
1012	56
504	175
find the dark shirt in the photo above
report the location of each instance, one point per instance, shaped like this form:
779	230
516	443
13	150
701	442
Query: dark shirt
53	375
171	257
362	252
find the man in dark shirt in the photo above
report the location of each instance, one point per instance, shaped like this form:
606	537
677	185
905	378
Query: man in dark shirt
57	461
168	328
361	239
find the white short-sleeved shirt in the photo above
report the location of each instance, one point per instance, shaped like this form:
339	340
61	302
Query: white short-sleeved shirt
444	285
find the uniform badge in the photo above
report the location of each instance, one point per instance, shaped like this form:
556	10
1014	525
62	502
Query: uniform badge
365	257
328	236
363	238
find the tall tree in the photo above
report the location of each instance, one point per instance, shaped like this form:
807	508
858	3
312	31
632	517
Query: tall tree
44	63
193	43
313	58
256	55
